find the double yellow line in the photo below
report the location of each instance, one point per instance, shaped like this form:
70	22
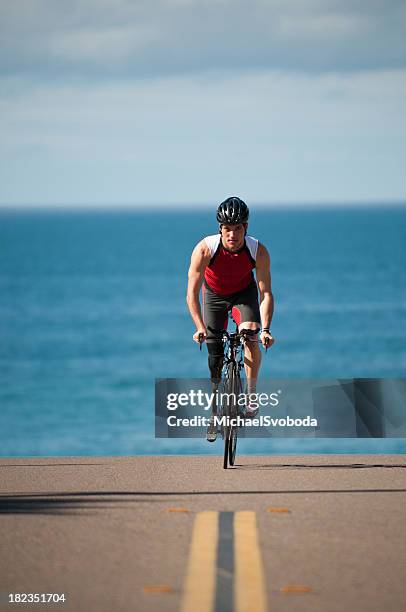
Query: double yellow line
202	578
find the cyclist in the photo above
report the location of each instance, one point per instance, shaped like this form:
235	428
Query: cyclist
222	266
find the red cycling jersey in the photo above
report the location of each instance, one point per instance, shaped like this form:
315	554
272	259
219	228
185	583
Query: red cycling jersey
229	272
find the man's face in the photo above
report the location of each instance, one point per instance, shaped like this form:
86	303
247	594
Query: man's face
233	236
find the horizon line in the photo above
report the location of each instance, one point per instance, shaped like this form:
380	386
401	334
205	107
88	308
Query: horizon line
197	206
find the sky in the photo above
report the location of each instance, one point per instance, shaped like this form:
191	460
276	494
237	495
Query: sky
119	102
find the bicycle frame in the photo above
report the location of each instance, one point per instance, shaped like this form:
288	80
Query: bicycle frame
233	346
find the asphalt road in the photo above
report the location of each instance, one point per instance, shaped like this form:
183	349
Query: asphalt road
325	532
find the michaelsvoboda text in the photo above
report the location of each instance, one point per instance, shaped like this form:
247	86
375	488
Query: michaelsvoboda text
238	421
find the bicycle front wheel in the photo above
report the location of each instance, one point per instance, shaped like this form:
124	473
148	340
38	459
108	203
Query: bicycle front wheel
232	388
232	446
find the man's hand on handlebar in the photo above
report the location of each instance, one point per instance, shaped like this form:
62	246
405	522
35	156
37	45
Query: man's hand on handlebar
200	335
266	339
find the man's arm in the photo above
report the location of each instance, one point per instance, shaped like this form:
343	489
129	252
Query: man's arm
198	263
263	271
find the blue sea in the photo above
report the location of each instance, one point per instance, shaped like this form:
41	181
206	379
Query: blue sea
92	310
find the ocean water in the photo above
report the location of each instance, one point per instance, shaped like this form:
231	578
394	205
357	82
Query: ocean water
92	310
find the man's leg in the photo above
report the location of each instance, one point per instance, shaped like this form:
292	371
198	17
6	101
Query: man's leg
252	353
215	358
215	318
247	315
215	313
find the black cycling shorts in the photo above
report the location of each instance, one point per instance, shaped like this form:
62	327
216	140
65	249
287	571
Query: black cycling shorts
243	305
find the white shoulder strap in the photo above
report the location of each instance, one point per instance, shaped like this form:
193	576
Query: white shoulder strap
252	244
213	243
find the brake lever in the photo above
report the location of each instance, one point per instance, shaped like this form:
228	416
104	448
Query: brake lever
201	338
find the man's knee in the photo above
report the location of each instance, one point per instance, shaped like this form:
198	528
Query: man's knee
252	329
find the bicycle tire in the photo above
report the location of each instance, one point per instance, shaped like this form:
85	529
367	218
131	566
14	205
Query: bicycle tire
226	452
233	437
232	444
232	386
227	385
226	430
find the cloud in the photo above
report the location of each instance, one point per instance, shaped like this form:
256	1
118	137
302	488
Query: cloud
180	100
119	38
284	137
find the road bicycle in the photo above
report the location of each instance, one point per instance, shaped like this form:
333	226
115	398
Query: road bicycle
230	392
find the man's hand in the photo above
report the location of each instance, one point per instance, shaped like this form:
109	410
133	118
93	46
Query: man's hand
200	335
266	339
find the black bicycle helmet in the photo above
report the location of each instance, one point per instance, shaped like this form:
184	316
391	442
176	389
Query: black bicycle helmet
233	211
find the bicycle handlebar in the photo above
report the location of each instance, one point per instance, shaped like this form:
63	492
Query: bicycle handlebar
242	334
239	334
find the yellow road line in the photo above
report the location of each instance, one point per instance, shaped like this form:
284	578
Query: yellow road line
249	585
296	588
177	510
273	509
200	583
